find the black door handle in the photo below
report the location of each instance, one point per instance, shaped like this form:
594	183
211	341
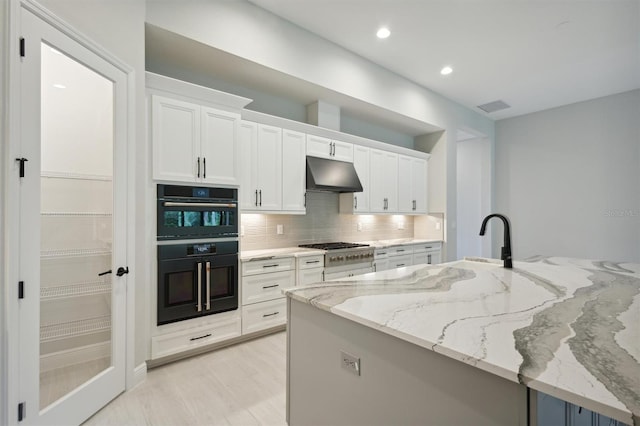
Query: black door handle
122	271
105	273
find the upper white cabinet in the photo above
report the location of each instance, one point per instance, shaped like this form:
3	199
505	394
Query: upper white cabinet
318	146
383	180
193	143
358	202
412	185
293	171
261	181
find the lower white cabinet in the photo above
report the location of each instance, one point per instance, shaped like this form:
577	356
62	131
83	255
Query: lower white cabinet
262	281
400	261
263	287
218	327
310	269
264	315
407	255
427	253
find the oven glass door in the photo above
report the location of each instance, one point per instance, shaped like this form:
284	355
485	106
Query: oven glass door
178	289
196	286
196	220
221	286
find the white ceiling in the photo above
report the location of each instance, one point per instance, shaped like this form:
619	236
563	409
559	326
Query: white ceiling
532	54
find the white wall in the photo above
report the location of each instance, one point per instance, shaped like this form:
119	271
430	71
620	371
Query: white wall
244	30
474	196
568	179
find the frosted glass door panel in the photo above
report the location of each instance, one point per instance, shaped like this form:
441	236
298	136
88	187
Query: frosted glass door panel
76	218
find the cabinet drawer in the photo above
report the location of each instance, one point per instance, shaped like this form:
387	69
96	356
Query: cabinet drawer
180	341
307	262
269	265
424	247
263	315
400	261
258	288
400	250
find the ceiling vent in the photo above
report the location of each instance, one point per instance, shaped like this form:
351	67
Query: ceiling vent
494	106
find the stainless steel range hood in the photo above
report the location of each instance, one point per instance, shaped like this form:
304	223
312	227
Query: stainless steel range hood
331	176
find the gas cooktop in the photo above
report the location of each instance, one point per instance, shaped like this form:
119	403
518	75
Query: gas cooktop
333	246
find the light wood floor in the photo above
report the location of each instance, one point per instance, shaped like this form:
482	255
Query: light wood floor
239	385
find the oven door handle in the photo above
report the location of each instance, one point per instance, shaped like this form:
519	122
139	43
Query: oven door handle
199	304
176	204
208	275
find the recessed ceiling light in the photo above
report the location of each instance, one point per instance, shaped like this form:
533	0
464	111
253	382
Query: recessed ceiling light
383	32
446	70
59	86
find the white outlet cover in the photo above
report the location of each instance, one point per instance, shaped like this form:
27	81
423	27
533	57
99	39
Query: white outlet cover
359	226
279	229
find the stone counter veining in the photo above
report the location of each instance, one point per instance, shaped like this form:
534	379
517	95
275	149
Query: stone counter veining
566	327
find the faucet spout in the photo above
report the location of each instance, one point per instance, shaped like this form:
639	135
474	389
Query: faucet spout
506	248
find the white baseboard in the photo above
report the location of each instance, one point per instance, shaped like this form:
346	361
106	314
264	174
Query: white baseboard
73	356
139	375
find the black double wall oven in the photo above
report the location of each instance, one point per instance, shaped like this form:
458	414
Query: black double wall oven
197	231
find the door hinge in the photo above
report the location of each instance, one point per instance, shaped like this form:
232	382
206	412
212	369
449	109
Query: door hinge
22	161
20	289
22	411
22	47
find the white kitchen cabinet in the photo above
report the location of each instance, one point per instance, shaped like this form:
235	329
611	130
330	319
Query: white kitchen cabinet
412	185
264	315
261	174
427	253
263	304
381	259
399	256
383	181
193	143
310	269
318	146
358	202
218	148
215	328
293	171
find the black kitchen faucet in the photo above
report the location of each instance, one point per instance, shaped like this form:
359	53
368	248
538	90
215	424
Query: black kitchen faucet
506	250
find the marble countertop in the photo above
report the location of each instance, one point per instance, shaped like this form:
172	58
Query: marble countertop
248	255
566	327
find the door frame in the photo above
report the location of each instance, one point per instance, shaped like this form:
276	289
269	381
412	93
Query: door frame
9	268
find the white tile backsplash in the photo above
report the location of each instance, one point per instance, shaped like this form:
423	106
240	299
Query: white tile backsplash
323	222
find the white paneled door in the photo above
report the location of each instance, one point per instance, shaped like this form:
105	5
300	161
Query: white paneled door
72	231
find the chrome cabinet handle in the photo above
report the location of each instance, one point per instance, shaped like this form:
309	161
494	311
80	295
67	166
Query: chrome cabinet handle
270	286
271	266
198	166
204	167
270	315
312	261
356	202
256	197
429	259
305	200
260	192
208	275
199	305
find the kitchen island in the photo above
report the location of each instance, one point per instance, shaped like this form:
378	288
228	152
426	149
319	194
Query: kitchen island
465	342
